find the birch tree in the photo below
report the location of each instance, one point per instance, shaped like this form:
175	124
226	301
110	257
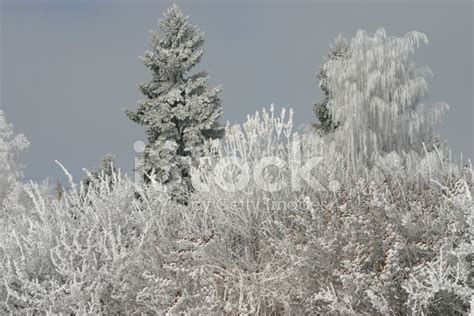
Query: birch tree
379	96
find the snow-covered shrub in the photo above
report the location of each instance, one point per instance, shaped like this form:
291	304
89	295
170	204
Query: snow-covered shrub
400	245
351	250
124	249
444	285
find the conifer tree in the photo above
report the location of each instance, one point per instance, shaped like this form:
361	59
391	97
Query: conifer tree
339	50
105	172
181	110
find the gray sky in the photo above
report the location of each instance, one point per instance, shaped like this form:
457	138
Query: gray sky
69	67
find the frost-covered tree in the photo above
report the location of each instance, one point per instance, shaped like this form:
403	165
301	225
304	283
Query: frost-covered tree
378	96
11	146
339	50
181	110
104	173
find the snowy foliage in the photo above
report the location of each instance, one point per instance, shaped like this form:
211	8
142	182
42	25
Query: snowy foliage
11	146
105	172
378	96
401	244
393	238
181	110
339	50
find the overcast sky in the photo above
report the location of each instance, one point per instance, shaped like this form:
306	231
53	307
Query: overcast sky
69	67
